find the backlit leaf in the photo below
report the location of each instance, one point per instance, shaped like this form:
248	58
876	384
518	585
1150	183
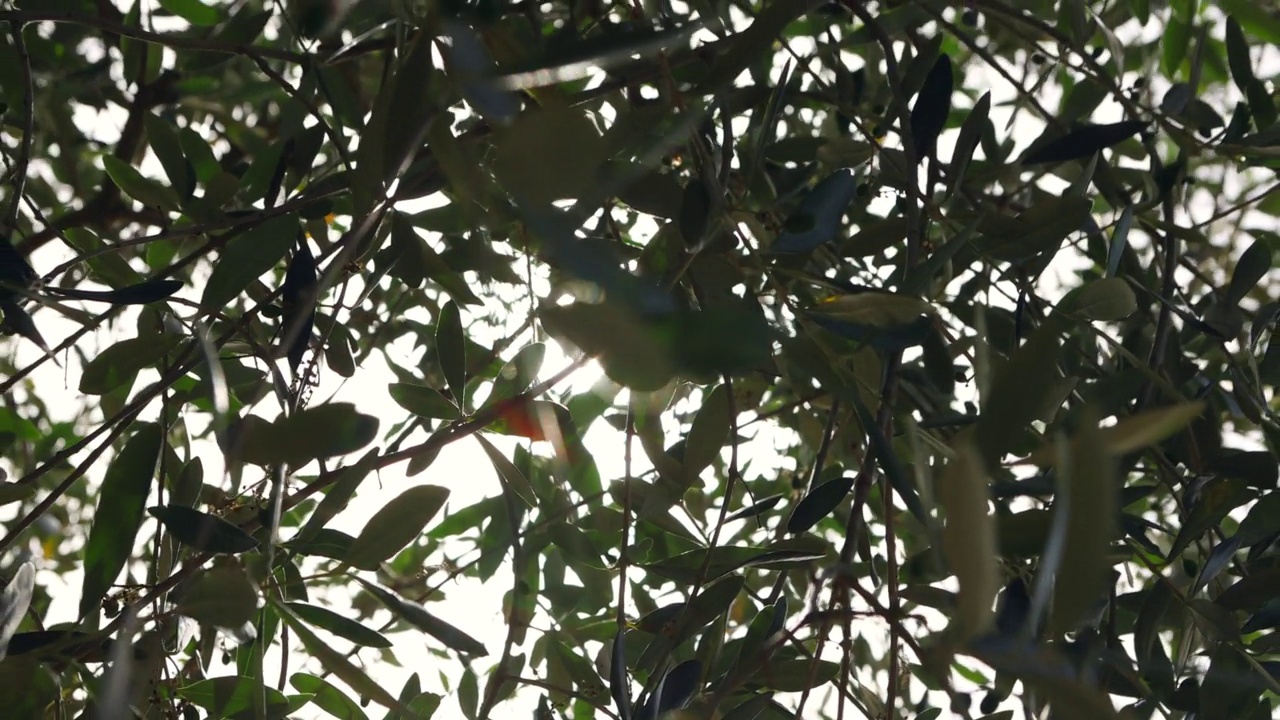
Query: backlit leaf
202	531
246	257
969	537
122	499
396	525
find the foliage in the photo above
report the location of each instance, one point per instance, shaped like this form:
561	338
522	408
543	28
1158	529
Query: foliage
938	342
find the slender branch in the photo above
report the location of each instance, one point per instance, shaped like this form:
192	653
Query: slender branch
28	127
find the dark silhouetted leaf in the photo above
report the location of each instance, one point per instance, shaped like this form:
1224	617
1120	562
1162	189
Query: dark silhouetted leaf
139	294
709	432
818	504
140	188
619	687
1082	142
452	350
1238	55
695	212
795	675
202	531
297	296
1104	300
817	220
759	507
417	616
674	691
970	135
1254	264
932	106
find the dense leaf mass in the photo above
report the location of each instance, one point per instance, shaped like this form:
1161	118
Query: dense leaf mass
739	359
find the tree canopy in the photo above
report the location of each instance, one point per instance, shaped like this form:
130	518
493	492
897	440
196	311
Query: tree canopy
934	344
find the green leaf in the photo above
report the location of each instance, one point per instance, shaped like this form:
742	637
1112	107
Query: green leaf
796	674
818	503
257	179
412	107
340	625
337	663
396	525
144	190
1175	45
232	696
119	364
222	596
196	150
193	11
1103	300
108	267
417	616
247	257
339	494
559	137
165	143
451	348
1254	264
327	697
710	430
202	531
1136	431
14	602
1091	501
423	401
511	477
686	567
13	492
1017	394
122	499
1255	18
1232	686
967	143
518	373
1238	55
969	537
874	309
318	432
650	192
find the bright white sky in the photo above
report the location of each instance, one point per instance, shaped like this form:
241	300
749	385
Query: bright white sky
462	467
